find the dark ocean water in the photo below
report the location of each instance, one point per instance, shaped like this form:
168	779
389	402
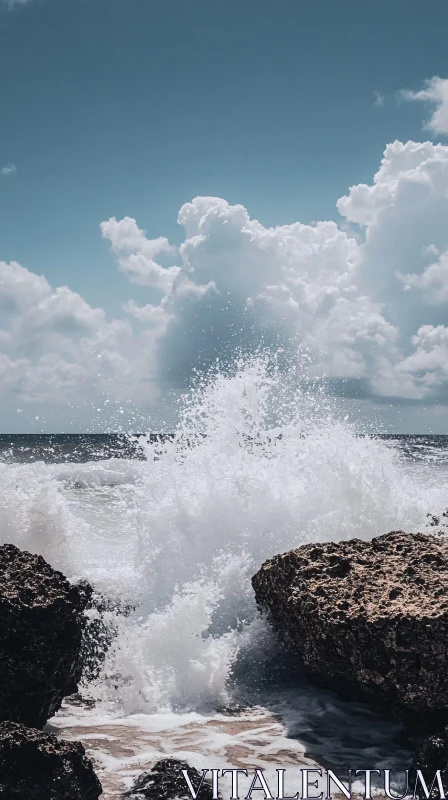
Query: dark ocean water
57	448
83	447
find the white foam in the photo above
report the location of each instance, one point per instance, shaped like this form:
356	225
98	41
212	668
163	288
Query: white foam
181	534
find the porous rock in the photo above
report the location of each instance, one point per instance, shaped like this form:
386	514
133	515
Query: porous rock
166	782
369	615
37	765
41	625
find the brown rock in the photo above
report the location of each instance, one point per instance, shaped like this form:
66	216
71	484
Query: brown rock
372	615
41	626
37	765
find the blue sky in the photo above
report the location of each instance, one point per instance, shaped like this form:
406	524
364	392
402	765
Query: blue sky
113	109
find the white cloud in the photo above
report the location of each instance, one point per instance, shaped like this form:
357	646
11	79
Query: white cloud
435	92
405	212
294	283
138	254
426	369
370	310
357	304
432	282
379	99
56	351
149	314
10	169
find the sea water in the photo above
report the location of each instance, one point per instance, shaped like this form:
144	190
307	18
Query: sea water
174	528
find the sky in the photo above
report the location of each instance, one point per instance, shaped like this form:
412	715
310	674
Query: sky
180	181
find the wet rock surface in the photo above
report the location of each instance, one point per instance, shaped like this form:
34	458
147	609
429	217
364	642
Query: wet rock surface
438	520
41	626
100	629
432	754
367	615
36	765
166	782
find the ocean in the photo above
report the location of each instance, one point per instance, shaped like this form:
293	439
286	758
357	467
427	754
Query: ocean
173	527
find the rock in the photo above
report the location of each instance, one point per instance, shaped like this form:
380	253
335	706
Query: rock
438	520
371	615
432	754
41	625
37	765
80	701
165	782
97	636
101	628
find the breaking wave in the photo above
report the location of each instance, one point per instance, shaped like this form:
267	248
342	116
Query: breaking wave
256	467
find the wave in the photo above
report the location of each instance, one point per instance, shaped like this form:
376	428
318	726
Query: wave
256	467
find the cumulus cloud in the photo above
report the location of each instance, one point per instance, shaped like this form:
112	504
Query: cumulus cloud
426	368
435	92
10	169
137	254
56	351
432	282
359	305
370	307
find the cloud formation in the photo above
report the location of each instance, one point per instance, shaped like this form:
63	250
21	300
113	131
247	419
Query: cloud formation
137	254
56	351
370	307
434	92
10	169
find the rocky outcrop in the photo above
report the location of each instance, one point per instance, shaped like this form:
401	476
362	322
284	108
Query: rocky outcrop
166	782
41	633
372	615
37	765
41	626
